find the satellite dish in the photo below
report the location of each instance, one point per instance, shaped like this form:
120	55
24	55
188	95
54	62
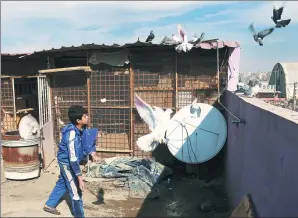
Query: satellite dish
196	140
29	127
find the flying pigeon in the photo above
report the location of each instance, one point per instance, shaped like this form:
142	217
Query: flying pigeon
258	37
176	39
157	120
253	88
150	37
277	12
185	45
195	110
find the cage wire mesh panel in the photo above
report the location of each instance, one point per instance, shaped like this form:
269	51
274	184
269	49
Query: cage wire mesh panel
110	109
154	74
197	76
110	88
67	89
7	107
44	101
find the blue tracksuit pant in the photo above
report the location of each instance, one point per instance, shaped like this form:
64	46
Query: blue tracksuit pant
67	182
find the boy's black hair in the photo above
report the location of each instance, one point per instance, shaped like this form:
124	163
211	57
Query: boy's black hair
75	113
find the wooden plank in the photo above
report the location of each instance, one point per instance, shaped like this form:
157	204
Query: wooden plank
131	122
66	69
89	99
114	151
48	145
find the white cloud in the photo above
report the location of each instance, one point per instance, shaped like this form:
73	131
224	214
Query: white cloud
106	16
260	15
18	20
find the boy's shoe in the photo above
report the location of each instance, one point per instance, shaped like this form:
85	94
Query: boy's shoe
51	210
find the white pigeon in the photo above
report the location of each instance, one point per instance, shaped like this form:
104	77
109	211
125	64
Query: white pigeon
195	109
103	100
253	88
157	120
176	38
185	45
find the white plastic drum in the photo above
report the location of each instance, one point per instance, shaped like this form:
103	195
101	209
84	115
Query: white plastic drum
196	140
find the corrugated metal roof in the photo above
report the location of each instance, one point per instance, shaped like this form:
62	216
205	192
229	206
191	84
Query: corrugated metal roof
167	42
291	72
14	54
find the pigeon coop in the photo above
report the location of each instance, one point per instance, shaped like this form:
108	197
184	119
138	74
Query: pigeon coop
158	74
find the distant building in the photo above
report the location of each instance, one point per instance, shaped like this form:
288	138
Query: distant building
284	75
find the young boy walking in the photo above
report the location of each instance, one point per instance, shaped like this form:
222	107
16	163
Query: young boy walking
70	153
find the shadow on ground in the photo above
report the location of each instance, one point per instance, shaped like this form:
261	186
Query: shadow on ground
198	193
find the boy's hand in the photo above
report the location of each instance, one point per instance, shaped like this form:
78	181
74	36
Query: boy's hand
94	157
81	183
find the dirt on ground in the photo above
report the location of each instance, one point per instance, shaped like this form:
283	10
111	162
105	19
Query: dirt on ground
181	196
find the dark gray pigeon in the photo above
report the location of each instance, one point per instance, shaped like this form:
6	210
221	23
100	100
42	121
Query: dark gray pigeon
258	37
150	37
201	37
277	12
196	40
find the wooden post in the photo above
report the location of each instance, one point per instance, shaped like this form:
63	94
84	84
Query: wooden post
131	94
14	104
89	98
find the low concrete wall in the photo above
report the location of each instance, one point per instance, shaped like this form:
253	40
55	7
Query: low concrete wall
262	156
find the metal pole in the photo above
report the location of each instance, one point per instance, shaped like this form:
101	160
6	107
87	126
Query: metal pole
294	96
217	59
176	81
275	86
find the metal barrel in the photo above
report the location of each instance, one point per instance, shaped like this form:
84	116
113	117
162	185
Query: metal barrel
21	159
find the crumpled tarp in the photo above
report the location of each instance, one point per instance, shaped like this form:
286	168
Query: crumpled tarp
141	174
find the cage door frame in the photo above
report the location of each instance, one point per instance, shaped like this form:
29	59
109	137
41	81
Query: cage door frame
44	101
45	122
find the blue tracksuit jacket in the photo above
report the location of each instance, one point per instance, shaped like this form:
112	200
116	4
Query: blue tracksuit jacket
73	148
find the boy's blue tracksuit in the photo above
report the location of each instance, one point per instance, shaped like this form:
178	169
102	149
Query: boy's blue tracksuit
72	149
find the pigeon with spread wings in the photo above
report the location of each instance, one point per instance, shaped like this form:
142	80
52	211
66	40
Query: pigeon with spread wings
157	120
258	37
277	12
185	45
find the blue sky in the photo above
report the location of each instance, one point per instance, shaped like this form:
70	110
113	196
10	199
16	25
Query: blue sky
32	26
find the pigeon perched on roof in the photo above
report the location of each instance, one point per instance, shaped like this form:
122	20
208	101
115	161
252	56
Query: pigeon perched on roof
194	38
150	37
185	45
197	40
176	38
201	37
277	12
253	88
157	120
258	37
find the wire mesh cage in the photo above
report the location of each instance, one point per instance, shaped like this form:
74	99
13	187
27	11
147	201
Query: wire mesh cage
161	78
67	90
110	88
7	105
